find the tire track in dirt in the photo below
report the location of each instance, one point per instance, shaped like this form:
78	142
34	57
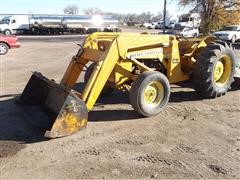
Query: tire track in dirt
146	158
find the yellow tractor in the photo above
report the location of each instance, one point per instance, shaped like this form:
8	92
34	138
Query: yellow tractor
143	64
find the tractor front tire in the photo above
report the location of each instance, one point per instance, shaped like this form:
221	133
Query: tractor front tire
214	70
149	93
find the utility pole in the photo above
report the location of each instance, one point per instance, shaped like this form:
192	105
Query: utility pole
164	16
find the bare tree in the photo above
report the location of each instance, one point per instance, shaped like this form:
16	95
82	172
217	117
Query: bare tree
158	17
71	9
145	17
92	11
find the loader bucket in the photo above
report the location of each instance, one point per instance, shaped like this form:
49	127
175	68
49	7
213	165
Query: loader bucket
52	107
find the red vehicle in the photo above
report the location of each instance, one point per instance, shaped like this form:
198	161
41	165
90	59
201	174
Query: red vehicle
8	42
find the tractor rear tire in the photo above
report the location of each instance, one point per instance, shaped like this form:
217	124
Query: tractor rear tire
149	93
107	90
214	70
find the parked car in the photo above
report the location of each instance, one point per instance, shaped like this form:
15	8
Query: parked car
229	33
172	24
182	31
169	24
146	25
159	25
189	32
152	26
8	42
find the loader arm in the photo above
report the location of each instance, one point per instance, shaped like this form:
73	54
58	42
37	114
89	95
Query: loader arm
105	63
100	76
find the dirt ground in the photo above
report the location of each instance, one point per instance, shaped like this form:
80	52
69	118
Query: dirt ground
192	138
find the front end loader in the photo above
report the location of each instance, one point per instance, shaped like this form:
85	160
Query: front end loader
143	64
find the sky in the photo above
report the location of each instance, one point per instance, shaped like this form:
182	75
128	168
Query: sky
117	6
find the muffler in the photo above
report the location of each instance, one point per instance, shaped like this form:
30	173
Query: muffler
52	107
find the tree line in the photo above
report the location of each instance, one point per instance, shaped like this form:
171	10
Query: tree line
129	18
214	13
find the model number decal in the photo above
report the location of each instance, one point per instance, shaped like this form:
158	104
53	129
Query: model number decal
146	53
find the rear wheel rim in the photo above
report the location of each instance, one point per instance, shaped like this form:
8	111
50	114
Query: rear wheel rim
8	32
222	71
154	93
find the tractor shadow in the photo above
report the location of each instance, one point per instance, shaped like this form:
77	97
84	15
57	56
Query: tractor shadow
183	96
16	130
114	107
13	125
113	115
236	85
181	92
117	97
104	114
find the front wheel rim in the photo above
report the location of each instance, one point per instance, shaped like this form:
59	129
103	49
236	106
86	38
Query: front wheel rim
154	93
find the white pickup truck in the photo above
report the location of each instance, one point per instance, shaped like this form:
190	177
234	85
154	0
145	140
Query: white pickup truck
229	33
